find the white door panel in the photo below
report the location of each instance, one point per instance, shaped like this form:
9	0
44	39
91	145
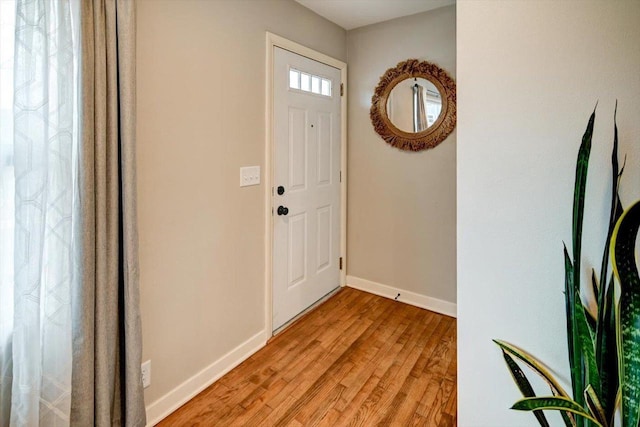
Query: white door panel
324	148
297	140
306	240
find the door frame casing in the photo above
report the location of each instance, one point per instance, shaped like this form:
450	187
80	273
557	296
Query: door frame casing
273	41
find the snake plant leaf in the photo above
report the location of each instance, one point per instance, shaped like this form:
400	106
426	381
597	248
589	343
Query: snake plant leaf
582	165
587	349
554	403
606	346
572	343
576	357
586	371
534	364
589	376
576	339
592	322
607	353
615	211
595	288
593	403
623	260
524	385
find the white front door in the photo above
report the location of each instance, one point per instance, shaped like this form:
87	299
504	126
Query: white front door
306	183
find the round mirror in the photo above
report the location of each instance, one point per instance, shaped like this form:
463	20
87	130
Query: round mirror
414	105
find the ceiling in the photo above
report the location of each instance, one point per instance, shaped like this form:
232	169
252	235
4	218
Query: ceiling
350	14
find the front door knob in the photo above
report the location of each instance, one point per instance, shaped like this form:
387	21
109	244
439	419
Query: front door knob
282	210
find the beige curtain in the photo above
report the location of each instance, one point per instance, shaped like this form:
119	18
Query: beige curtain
419	110
106	383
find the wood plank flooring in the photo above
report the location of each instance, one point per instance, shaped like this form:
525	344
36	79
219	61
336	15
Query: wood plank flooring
356	360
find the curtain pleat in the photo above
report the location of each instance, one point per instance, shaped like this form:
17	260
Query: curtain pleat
107	387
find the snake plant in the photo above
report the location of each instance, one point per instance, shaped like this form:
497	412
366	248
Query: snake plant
604	347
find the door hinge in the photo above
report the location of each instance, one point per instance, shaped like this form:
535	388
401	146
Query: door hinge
340	176
340	263
341	89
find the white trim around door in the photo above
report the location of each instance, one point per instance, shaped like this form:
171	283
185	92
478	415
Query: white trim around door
272	41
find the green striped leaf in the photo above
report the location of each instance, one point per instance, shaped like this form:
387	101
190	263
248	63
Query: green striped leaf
607	353
595	288
581	365
582	362
556	403
582	166
572	343
587	349
614	213
606	346
524	385
623	260
534	364
594	405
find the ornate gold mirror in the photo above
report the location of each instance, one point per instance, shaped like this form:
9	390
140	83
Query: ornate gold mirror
414	105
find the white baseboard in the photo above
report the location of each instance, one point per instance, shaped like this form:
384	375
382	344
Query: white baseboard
433	304
180	395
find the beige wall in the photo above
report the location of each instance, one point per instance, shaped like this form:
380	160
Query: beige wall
529	75
201	89
402	205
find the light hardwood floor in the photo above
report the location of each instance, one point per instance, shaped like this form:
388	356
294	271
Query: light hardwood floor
356	360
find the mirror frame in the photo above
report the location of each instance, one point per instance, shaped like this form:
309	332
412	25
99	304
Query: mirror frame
437	132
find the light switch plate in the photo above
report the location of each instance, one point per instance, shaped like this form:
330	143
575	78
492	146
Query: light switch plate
249	175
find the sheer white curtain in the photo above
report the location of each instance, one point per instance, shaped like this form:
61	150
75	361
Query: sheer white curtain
39	215
7	209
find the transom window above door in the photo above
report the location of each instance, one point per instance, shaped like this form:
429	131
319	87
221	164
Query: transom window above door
309	83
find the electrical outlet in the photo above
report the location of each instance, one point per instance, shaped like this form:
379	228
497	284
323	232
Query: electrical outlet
146	374
249	175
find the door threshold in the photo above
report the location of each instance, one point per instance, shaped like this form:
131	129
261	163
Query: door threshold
305	312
